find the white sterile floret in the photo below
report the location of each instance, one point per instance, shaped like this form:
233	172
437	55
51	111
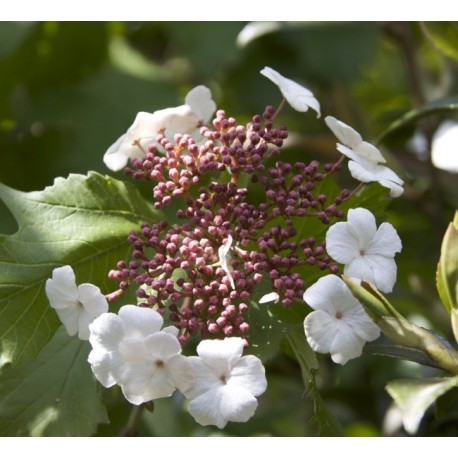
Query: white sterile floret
270	297
338	325
367	252
76	306
365	158
225	383
300	98
184	119
225	259
131	350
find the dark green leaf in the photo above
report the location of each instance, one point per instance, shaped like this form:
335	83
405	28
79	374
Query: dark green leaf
53	395
327	424
437	106
81	221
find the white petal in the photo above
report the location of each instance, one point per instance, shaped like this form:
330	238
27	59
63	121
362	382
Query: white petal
224	259
341	245
61	288
69	316
344	133
367	151
204	377
221	354
296	95
361	225
92	299
180	372
386	241
117	155
218	406
249	373
104	366
320	328
361	324
201	103
140	321
84	320
269	298
176	120
362	173
346	345
331	295
162	345
106	332
379	270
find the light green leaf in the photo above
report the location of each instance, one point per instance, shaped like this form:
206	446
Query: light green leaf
53	395
444	36
437	106
447	269
414	397
82	221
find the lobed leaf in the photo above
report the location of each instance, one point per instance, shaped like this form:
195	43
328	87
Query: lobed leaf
82	221
53	395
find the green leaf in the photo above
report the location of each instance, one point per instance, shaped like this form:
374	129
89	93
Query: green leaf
385	347
437	106
267	329
82	221
327	424
447	269
444	36
413	397
53	395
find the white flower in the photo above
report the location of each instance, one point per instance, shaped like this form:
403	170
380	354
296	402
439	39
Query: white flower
225	383
77	306
444	147
131	350
352	144
225	259
300	98
367	171
184	119
338	325
367	252
273	296
366	158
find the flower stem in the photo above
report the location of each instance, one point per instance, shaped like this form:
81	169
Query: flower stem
133	422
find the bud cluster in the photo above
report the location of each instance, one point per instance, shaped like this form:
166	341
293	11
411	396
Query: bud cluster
179	269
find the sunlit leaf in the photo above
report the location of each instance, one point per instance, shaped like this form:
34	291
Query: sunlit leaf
447	269
82	221
53	395
444	36
414	396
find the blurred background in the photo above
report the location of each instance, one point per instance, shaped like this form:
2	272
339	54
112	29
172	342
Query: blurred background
68	90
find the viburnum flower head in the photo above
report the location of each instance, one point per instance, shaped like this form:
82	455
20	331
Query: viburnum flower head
365	158
76	306
338	325
184	119
367	252
300	98
225	382
131	350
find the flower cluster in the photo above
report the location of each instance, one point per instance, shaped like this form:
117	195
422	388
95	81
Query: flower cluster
201	277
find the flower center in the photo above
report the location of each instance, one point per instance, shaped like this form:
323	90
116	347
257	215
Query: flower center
223	379
338	315
362	252
159	363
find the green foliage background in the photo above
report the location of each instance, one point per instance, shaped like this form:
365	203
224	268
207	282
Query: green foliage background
69	90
